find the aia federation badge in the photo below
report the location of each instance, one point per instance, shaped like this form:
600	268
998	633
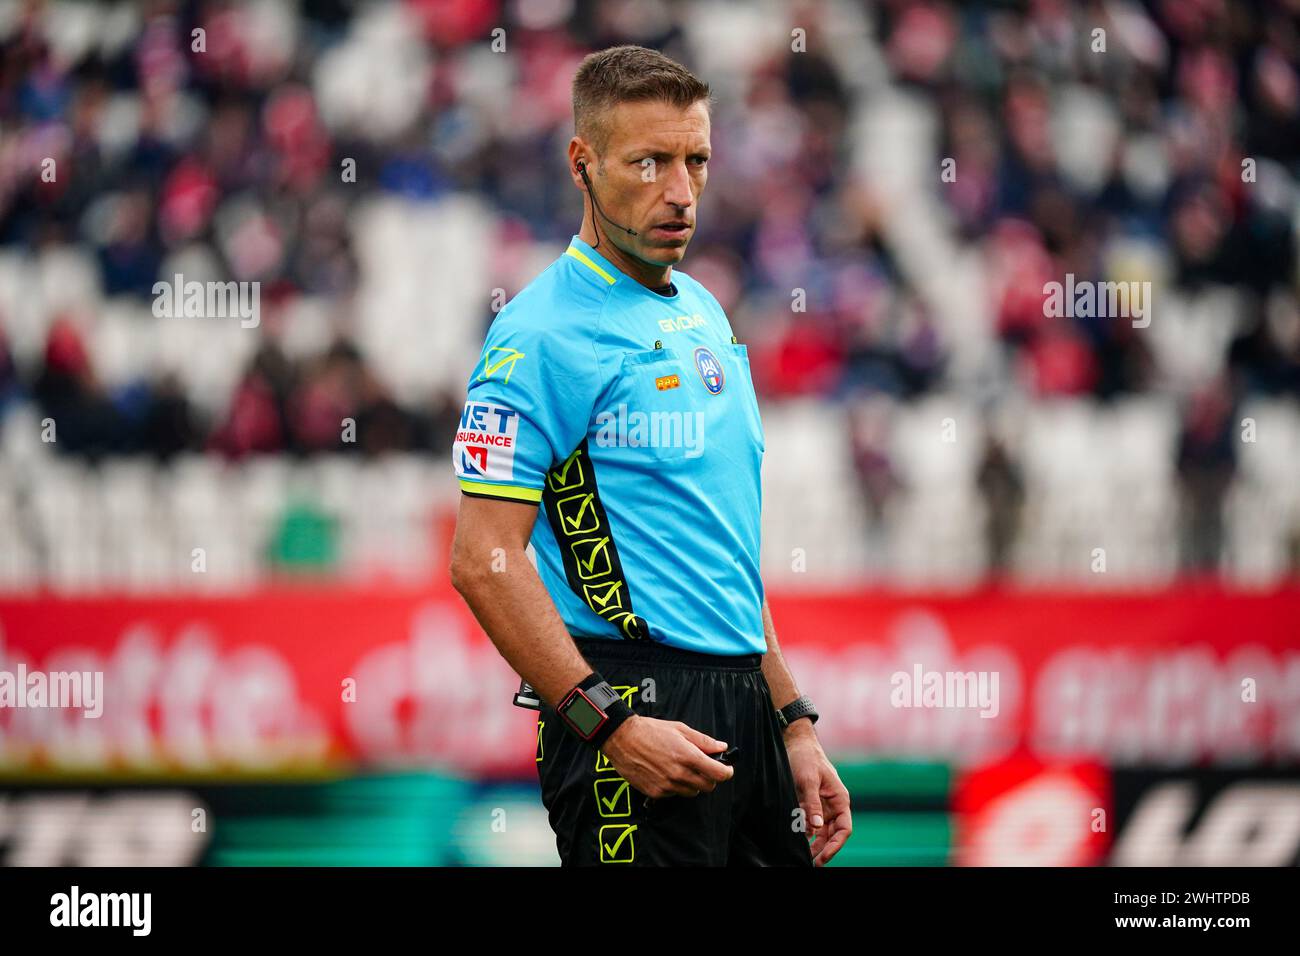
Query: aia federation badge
710	370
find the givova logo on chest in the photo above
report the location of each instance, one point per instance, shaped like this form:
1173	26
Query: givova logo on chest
682	322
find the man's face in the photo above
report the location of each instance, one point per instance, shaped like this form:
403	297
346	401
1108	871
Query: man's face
650	177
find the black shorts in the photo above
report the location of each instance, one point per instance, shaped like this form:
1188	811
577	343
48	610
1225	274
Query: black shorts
749	820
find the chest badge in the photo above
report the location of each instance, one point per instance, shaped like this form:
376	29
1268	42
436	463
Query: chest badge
710	370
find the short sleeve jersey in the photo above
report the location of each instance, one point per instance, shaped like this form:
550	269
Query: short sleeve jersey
629	417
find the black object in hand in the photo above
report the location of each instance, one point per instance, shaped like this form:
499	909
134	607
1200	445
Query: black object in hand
727	756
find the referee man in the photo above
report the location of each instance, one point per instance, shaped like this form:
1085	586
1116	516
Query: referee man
613	397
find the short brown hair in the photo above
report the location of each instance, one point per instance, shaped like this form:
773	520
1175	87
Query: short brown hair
624	74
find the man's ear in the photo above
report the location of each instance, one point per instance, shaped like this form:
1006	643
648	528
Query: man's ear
578	157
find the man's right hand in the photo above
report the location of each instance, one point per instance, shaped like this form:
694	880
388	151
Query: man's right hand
665	758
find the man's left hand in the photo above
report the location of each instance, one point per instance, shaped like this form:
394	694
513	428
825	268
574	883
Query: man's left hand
824	799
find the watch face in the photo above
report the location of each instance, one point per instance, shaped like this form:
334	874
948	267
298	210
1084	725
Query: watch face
583	714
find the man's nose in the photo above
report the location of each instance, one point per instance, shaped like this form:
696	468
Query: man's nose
678	188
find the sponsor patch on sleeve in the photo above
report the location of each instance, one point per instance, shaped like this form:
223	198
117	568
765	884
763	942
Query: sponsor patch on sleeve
485	442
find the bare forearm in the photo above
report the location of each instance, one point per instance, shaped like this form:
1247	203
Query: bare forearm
779	679
513	607
781	683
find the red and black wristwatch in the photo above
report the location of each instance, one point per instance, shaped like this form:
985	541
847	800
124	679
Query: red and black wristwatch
593	710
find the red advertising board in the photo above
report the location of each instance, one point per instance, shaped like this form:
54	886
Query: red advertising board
1022	812
302	678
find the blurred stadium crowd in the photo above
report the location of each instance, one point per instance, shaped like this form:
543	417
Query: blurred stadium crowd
927	421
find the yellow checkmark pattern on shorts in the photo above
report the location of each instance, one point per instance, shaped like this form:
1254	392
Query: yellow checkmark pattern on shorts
617	844
613	797
627	692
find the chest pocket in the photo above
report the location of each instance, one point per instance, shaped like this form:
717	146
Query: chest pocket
749	399
653	409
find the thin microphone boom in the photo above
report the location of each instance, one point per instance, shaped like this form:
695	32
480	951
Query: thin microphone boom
582	171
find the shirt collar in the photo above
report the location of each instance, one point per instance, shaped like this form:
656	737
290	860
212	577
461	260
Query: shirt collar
610	273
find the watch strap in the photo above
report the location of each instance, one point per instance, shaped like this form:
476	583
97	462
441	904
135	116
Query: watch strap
593	710
803	707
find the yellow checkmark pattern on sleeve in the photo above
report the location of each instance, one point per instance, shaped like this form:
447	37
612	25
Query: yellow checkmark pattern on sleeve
578	514
616	843
608	599
588	548
497	358
629	622
569	475
592	556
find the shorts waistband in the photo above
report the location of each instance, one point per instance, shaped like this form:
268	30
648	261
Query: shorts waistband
596	649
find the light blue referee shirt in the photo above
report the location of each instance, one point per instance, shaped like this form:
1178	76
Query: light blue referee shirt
630	418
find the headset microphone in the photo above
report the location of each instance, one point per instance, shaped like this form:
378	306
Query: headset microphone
582	171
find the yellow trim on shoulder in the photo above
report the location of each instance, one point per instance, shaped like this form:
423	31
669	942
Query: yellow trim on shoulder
501	491
586	261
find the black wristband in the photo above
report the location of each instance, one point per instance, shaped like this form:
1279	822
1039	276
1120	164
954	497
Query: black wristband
593	710
797	710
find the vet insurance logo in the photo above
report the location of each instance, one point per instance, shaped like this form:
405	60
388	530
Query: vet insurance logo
485	442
